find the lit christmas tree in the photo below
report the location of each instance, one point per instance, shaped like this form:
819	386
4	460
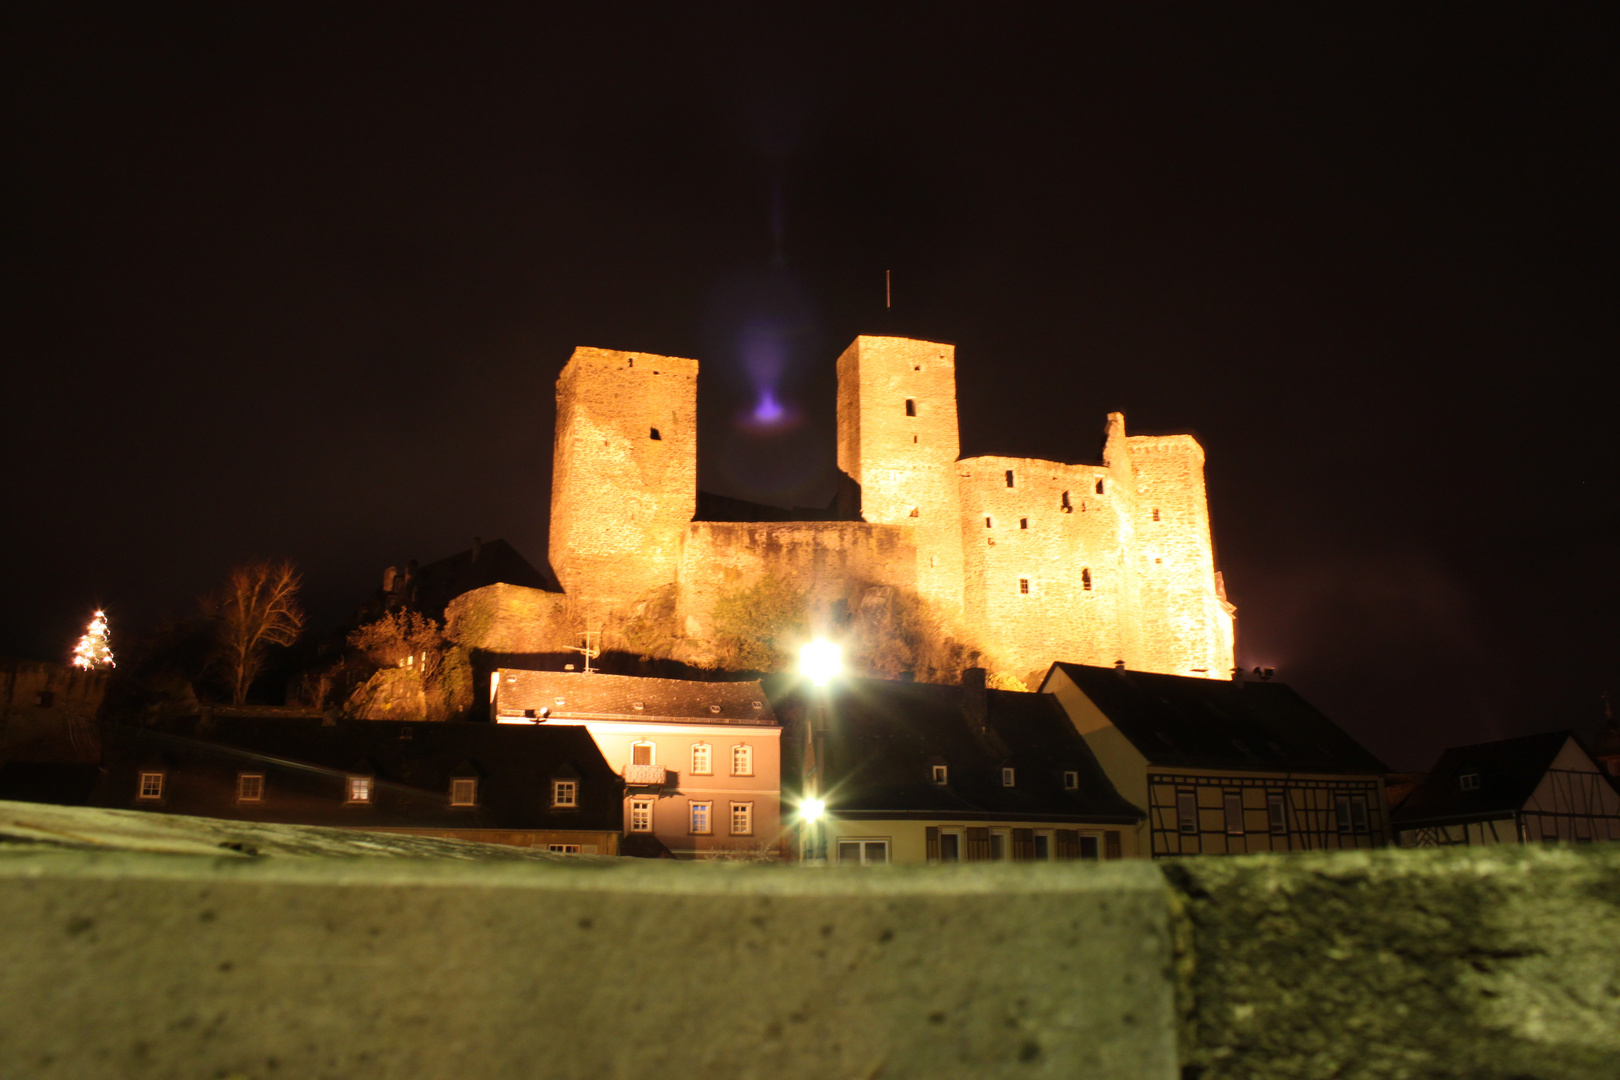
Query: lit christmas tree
92	652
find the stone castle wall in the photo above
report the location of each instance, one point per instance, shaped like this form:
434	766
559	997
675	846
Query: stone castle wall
1030	561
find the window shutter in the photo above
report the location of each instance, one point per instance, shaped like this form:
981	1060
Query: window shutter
933	843
1023	845
1111	844
1068	843
978	845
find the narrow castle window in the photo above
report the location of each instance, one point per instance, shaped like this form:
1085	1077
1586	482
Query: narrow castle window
1085	580
911	407
1023	586
1068	507
1155	513
1023	523
1009	478
655	434
1099	487
914	438
987	523
632	361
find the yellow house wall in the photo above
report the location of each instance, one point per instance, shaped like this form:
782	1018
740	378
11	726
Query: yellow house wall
908	839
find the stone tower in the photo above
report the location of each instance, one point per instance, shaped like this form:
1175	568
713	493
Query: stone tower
897	439
624	474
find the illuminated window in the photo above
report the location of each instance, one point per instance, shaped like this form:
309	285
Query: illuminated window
701	815
911	407
151	785
642	753
1009	478
1023	585
1277	814
742	819
1468	781
1071	781
1085	580
702	759
941	774
1008	776
565	793
862	852
655	435
464	791
1187	812
250	787
1232	804
564	849
742	760
1155	513
358	789
641	811
1099	487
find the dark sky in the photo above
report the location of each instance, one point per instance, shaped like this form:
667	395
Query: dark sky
298	281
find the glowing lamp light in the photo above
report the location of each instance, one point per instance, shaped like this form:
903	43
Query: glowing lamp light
820	661
812	809
768	411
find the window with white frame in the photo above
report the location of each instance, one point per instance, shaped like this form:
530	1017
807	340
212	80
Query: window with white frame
564	849
565	793
1341	811
742	760
1071	780
250	787
1232	804
1468	781
464	791
702	759
641	811
701	816
742	819
643	753
1187	812
1008	777
151	786
357	789
941	774
1277	813
1358	813
862	852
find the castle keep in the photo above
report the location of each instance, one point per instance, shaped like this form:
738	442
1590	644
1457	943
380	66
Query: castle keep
1029	561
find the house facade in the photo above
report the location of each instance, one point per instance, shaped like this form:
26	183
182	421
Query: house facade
1545	788
701	762
1224	767
915	773
550	790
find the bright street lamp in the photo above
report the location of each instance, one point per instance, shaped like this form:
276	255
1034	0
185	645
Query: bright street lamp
810	810
820	660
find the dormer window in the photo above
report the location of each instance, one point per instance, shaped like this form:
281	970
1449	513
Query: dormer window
1008	777
565	794
714	709
941	774
250	787
151	786
464	791
357	789
1071	780
1468	781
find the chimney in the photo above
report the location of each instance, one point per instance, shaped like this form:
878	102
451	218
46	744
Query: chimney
974	700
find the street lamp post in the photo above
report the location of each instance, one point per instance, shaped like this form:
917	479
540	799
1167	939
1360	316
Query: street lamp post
819	661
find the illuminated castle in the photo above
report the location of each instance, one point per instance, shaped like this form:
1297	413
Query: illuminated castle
1029	561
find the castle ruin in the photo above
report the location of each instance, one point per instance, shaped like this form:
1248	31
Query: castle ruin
1028	561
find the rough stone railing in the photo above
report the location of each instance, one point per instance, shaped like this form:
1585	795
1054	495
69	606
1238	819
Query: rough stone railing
646	775
144	945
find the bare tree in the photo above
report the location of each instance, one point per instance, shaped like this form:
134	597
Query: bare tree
257	608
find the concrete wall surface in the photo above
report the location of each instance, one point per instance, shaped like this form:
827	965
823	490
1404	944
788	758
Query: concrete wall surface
224	950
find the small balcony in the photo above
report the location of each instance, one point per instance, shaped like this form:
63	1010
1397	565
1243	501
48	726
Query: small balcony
645	775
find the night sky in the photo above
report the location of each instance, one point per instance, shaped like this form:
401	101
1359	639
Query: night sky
298	282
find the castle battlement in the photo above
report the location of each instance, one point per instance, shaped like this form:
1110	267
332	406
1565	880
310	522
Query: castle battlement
1030	561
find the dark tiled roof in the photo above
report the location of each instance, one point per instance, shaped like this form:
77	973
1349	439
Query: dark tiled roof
576	694
1219	724
306	762
883	739
493	562
1508	771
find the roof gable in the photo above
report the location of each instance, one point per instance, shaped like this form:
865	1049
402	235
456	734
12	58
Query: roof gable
1504	775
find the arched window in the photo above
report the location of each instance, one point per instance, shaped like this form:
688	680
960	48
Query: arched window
643	753
742	760
1085	580
702	759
